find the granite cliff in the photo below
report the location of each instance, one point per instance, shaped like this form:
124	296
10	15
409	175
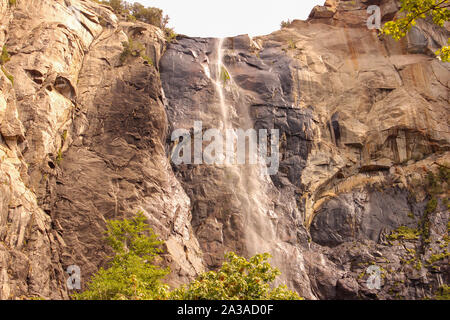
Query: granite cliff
364	141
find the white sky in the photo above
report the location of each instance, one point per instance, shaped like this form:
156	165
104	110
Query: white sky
221	18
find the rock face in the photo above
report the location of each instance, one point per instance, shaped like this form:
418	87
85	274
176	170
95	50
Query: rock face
364	149
86	144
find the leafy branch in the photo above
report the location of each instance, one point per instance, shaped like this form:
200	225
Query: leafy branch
420	9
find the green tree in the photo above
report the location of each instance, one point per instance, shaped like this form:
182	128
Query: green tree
136	11
132	273
237	279
149	15
117	5
420	9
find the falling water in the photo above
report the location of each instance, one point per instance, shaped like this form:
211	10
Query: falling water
253	190
251	214
251	185
220	69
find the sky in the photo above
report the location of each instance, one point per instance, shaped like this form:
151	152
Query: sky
224	18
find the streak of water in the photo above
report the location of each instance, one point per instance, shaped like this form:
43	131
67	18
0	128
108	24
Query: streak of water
249	184
220	69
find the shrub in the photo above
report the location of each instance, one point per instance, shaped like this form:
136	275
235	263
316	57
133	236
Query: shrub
117	5
59	156
237	279
433	184
148	59
131	18
404	233
171	36
224	75
431	206
12	2
285	24
437	257
149	15
132	48
425	222
4	57
292	45
444	174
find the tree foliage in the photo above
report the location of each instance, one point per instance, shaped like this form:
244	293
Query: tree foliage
436	10
149	15
134	49
117	5
237	279
132	273
139	12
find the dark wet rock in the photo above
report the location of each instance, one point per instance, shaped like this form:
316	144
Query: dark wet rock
363	215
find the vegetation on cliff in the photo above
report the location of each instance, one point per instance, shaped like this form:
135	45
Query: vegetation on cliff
443	293
285	24
134	273
137	11
237	279
4	58
134	48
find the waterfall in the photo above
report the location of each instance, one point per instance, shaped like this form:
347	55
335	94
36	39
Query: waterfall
237	201
219	84
254	191
250	187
